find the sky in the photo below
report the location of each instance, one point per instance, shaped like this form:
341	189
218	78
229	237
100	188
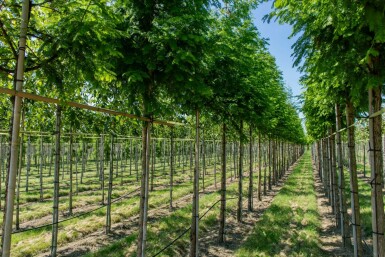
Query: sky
279	45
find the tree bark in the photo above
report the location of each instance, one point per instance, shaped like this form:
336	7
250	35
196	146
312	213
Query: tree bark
142	237
375	155
336	196
240	175
194	236
344	221
110	177
11	184
71	174
222	215
269	164
55	212
356	219
171	165
250	195
101	173
259	167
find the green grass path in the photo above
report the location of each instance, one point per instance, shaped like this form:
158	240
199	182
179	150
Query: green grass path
290	226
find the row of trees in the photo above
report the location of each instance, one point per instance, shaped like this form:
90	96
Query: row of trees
156	59
341	49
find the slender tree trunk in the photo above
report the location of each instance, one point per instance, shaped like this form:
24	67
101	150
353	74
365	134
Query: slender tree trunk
356	219
191	159
264	172
11	183
250	195
274	157
325	168
152	154
331	175
83	163
319	159
142	238
375	155
344	221
222	215
71	175
55	216
269	155
101	167
215	163
171	165
240	175
194	236
29	153
203	161
131	154
364	160
259	167
20	168
336	196
110	177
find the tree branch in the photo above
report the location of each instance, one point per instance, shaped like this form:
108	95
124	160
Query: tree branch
42	63
8	39
6	70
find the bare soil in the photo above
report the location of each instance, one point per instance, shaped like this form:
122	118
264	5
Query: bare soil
237	233
331	241
94	241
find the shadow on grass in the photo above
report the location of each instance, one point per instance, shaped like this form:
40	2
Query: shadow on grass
290	226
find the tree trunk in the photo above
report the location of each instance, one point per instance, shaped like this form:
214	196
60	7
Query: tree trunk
274	160
336	196
41	168
375	155
264	172
356	219
131	154
55	212
215	163
101	167
240	175
325	166
71	174
344	221
250	193
171	165
29	153
222	215
11	183
110	177
83	162
203	160
142	237
194	238
259	167
152	157
269	155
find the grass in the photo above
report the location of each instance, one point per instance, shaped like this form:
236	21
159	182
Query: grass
290	226
165	229
32	242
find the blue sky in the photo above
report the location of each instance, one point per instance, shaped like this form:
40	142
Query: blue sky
279	45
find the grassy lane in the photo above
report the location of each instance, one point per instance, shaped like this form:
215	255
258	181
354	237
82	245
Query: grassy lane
290	226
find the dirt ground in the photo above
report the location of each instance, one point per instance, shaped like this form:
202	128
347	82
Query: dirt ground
236	233
331	241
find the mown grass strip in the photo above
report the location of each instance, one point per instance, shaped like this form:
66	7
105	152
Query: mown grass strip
290	226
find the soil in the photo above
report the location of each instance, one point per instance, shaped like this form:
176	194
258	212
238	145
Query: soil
94	241
331	241
237	233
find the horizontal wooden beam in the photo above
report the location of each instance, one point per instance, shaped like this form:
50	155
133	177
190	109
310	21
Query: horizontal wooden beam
83	106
